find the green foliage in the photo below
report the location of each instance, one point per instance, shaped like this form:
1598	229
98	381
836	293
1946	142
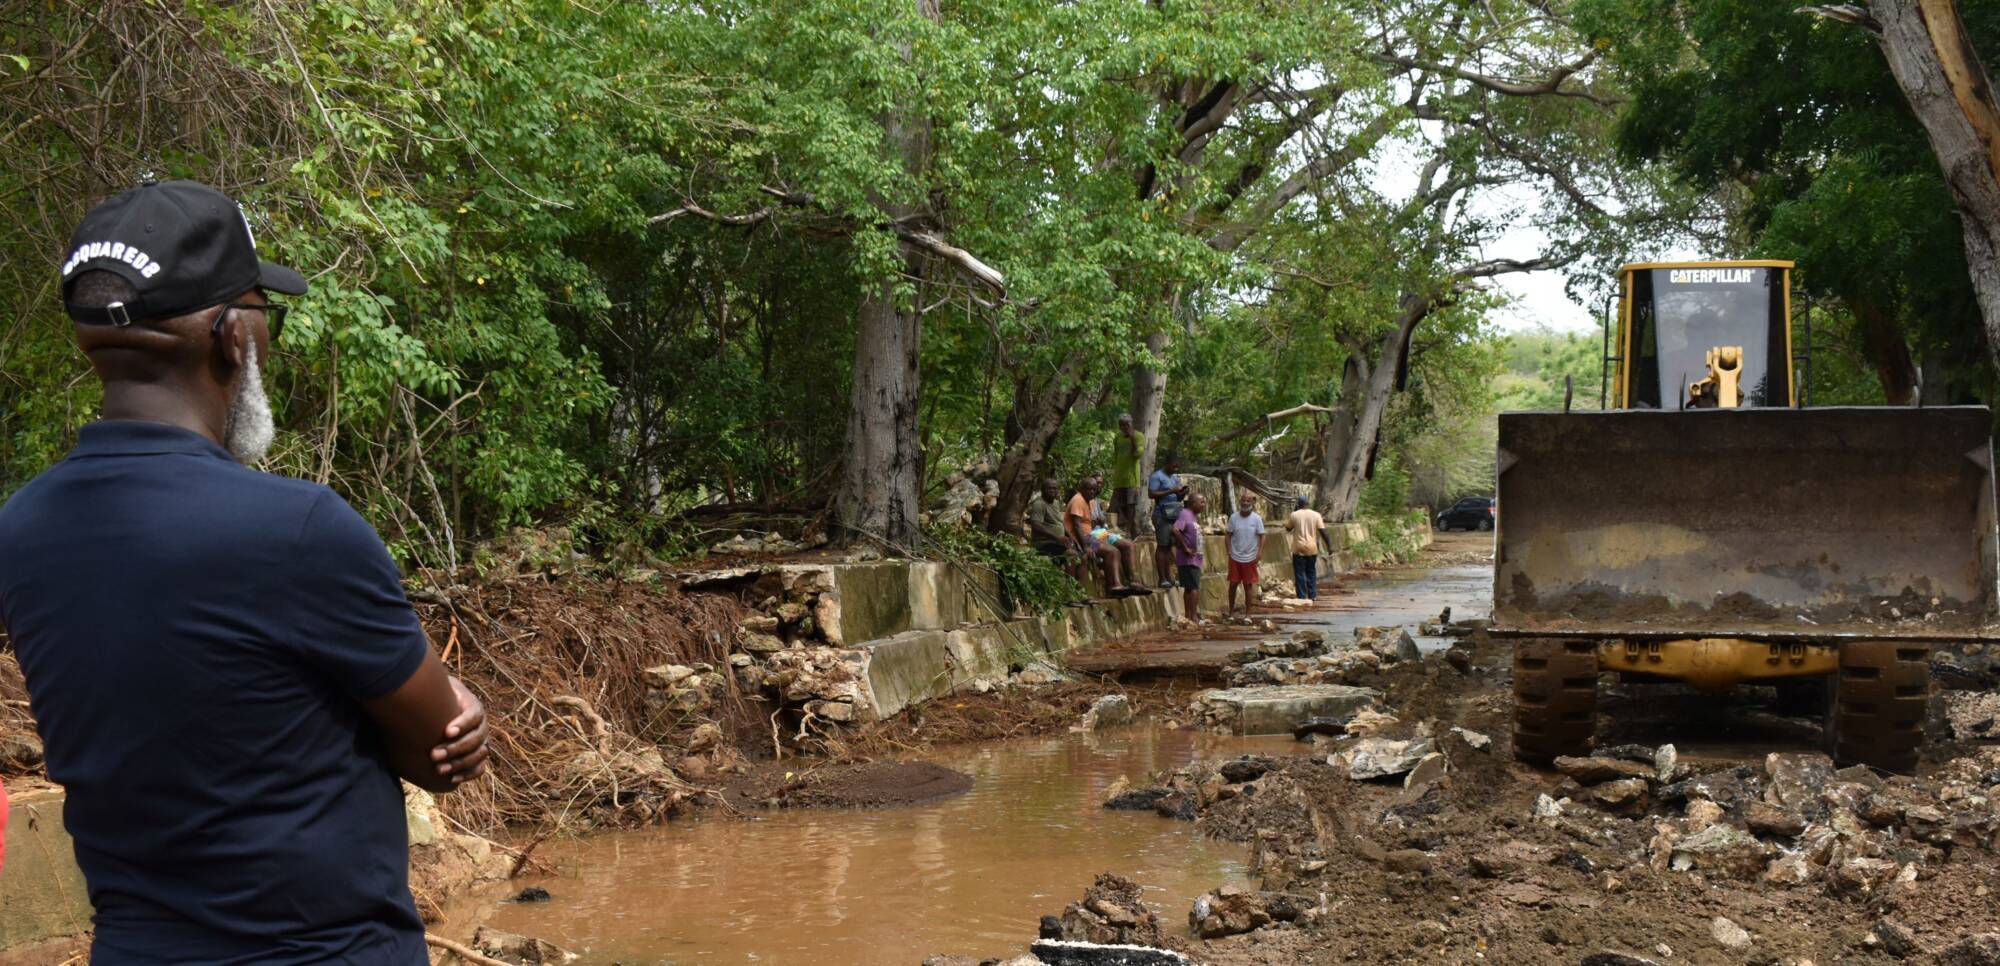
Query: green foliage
1797	120
1393	537
507	329
1033	583
1387	494
1537	363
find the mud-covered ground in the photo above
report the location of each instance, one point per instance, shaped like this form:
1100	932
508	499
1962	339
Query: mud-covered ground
1749	849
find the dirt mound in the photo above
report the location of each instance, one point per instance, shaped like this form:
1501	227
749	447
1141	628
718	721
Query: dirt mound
561	662
871	785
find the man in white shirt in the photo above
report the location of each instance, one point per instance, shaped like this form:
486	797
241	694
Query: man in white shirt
1246	547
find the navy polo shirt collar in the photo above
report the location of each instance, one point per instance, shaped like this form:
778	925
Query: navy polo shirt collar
135	437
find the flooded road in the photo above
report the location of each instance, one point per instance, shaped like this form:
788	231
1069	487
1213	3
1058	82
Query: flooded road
969	874
1455	571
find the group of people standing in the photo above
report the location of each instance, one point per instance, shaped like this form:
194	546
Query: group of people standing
1080	531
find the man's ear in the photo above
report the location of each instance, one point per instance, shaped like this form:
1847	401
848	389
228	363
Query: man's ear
232	342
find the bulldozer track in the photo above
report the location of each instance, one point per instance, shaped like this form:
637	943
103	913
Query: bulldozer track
1879	697
1555	697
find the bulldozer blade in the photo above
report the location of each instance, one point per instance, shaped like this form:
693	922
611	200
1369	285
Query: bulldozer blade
1772	524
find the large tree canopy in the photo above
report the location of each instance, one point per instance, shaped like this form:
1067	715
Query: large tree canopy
600	264
1797	122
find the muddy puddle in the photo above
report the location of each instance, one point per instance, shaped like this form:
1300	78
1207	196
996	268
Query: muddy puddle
969	874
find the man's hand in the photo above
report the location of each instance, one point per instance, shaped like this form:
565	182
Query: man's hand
462	754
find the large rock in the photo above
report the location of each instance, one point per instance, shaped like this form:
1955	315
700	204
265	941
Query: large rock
1980	950
1623	795
1860	875
1789	869
1797	778
1893	938
1392	643
1591	771
1724	851
1380	757
1112	911
1110	710
1727	933
20	754
1230	911
1765	818
1276	710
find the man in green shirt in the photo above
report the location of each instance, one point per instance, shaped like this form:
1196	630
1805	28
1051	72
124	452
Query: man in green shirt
1125	452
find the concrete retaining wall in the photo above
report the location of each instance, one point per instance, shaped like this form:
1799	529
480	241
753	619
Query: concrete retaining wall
42	895
944	644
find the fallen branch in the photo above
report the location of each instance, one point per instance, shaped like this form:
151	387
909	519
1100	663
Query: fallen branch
462	951
1266	420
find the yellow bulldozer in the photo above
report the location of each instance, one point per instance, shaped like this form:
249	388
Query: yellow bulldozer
1707	528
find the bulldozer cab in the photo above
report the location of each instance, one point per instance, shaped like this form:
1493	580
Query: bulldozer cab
1705	335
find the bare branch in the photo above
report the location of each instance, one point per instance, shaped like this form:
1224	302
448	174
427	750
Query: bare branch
697	211
1266	420
1509	266
1552	84
1847	13
980	271
926	241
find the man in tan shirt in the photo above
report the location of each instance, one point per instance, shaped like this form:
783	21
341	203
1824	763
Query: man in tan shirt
1303	525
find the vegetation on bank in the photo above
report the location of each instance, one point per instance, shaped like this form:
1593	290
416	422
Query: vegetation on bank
594	266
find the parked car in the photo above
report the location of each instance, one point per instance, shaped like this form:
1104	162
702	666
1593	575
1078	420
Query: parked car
1471	513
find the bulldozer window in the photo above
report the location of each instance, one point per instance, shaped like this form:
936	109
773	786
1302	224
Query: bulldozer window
1679	314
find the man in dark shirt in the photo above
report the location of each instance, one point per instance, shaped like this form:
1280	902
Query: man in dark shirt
223	667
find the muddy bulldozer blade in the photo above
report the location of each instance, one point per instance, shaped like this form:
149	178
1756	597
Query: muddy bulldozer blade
1698	546
1761	524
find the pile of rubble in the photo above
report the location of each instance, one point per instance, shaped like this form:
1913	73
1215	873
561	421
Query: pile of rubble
1795	821
788	650
1308	658
970	493
762	543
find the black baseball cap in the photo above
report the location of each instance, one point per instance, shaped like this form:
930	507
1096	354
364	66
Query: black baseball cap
183	246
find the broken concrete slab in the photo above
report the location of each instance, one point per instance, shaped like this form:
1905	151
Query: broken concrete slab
1278	709
1380	757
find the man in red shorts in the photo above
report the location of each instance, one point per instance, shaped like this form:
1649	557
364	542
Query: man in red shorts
1246	547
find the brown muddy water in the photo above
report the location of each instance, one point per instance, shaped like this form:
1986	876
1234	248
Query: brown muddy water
969	874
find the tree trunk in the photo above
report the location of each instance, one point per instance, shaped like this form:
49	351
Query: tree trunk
1357	457
1040	407
881	485
1887	350
1947	86
1149	399
1340	426
882	477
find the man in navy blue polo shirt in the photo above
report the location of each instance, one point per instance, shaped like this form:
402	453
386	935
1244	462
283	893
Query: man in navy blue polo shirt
226	675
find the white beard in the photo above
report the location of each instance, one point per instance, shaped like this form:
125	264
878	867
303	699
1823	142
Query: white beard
249	430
